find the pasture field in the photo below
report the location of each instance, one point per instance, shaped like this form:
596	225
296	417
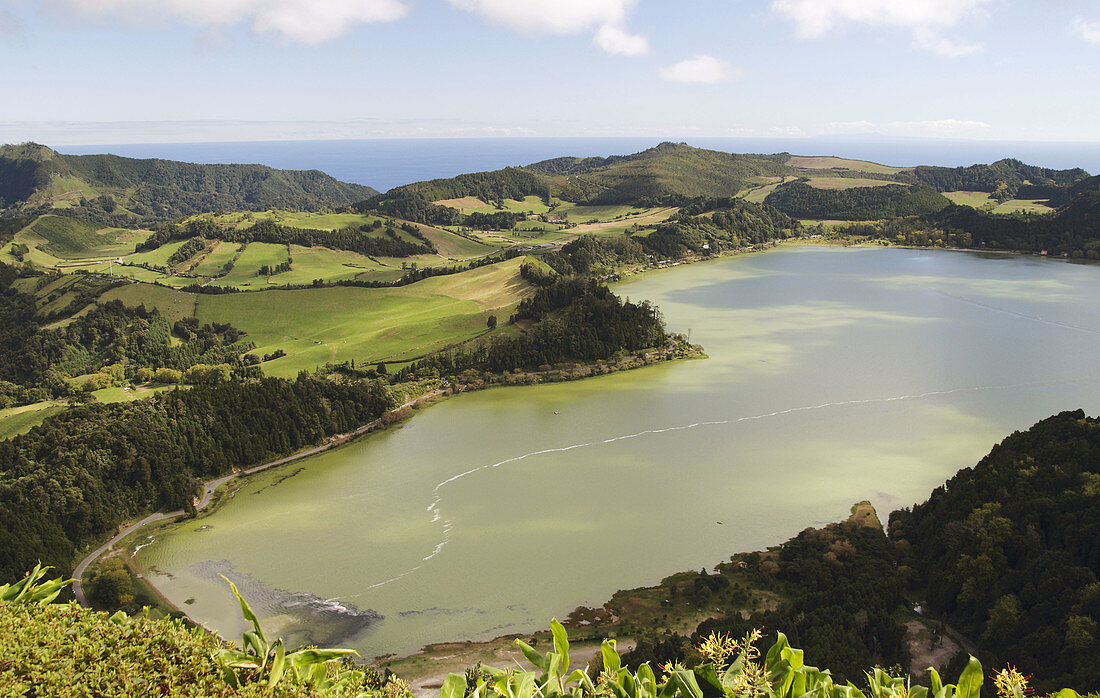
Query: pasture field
577	213
472	204
255	255
216	258
453	245
241	220
20	420
840	183
974	199
1024	206
332	265
828	162
173	305
317	326
158	257
138	274
54	240
758	193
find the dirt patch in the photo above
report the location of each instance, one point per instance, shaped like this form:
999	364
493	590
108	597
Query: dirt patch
929	646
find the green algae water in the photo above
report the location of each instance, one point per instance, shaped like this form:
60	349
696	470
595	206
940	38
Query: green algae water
834	375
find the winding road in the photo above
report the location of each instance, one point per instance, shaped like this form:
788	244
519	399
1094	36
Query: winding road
211	486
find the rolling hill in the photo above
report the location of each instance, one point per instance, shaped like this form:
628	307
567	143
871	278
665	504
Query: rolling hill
127	191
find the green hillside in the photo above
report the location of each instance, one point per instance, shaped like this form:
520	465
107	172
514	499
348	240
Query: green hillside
109	188
664	172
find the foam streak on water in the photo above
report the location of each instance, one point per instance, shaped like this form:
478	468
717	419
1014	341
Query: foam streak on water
448	526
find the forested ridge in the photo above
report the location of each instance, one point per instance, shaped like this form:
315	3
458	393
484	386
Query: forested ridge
801	200
128	191
1008	551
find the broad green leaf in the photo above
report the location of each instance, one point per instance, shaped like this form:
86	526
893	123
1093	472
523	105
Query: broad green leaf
937	684
561	643
970	682
278	664
611	660
775	653
533	656
684	682
454	686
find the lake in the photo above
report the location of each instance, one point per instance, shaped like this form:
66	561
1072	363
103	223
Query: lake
835	375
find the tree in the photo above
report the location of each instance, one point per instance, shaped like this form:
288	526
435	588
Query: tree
111	586
491	323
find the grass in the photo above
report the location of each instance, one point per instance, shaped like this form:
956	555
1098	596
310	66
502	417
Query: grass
974	199
839	183
121	394
598	214
1024	206
317	326
55	241
829	162
331	265
472	204
172	304
158	257
255	255
216	259
760	192
20	420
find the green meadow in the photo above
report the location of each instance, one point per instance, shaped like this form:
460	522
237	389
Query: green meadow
245	273
974	199
20	420
472	204
1024	206
317	326
216	258
839	183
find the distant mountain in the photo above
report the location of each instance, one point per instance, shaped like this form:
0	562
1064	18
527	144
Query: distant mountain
127	191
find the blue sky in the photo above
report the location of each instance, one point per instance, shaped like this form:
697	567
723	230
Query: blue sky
110	71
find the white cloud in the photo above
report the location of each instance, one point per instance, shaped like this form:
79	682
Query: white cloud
531	17
941	127
305	21
1089	31
816	18
617	40
700	69
554	16
929	40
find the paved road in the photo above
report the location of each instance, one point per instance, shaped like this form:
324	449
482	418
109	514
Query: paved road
211	485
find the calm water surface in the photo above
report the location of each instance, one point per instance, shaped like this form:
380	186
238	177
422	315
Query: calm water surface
834	375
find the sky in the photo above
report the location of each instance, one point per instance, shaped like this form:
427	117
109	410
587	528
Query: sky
128	71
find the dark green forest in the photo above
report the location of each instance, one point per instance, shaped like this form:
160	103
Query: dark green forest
1005	179
71	480
800	200
34	361
1008	551
574	320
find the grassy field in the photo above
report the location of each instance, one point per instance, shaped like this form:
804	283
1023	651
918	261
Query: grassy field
332	265
472	204
255	255
216	258
55	241
974	199
158	257
20	420
1024	206
839	183
316	326
828	162
171	304
576	213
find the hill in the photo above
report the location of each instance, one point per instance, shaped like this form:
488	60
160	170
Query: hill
1005	179
800	200
125	191
1009	551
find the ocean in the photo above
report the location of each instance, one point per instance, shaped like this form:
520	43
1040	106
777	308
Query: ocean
387	163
